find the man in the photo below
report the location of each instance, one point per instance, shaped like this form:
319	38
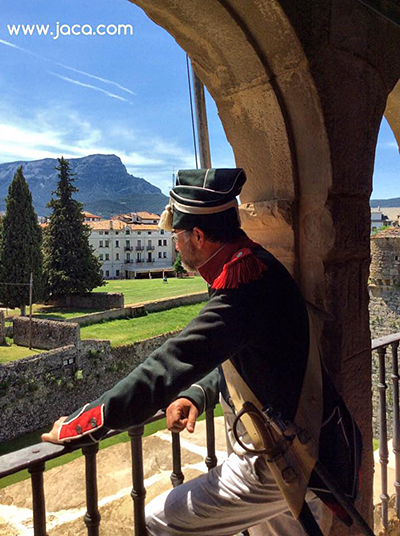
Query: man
257	319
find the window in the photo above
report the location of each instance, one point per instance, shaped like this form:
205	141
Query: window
107	273
160	242
107	257
165	254
116	273
162	231
159	255
164	242
107	243
117	243
139	232
127	243
117	257
117	233
101	256
105	232
100	232
101	244
127	231
101	273
148	232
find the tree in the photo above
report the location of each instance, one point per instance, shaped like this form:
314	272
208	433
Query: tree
20	250
179	269
70	266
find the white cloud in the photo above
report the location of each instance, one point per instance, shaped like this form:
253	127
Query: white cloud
57	131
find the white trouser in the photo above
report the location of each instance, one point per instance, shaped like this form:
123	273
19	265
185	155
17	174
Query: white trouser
238	494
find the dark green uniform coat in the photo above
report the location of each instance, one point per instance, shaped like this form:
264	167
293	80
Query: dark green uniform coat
256	317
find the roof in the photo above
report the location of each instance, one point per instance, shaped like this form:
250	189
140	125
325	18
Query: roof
118	225
391	232
106	225
148	216
143	226
89	215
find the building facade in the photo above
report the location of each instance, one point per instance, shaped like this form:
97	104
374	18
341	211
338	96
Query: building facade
128	249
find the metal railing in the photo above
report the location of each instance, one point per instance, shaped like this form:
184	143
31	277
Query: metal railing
381	346
34	459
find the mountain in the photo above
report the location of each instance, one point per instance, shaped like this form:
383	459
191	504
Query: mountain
105	187
394	202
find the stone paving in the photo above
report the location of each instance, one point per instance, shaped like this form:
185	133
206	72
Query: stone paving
65	486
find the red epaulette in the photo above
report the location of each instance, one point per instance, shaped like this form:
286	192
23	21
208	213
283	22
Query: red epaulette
244	268
84	423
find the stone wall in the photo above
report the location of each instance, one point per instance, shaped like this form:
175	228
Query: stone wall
385	258
36	390
92	300
169	303
46	334
140	309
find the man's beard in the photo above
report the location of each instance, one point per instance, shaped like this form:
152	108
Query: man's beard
189	267
189	260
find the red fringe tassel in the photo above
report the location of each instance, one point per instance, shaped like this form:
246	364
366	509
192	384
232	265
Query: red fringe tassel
242	269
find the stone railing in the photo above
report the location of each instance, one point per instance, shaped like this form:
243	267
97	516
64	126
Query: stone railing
380	346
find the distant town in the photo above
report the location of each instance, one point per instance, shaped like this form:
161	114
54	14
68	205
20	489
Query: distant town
382	217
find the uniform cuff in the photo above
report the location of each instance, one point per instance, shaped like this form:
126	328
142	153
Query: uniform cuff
84	422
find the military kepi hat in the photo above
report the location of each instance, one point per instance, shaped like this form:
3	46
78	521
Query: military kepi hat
204	198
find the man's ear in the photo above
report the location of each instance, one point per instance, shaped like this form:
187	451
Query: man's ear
199	237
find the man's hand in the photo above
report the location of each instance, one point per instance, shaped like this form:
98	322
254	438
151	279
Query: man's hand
52	436
181	414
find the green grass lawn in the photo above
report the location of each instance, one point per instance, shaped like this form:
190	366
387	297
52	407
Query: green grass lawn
127	331
11	352
34	437
134	290
141	290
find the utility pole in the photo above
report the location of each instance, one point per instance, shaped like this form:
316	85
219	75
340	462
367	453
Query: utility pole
201	121
30	310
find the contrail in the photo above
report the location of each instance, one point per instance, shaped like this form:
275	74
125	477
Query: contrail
95	88
104	80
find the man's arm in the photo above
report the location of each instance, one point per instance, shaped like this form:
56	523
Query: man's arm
215	335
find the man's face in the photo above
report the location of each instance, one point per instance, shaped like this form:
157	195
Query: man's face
189	254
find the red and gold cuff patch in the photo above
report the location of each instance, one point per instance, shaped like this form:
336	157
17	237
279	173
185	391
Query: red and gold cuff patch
243	268
84	423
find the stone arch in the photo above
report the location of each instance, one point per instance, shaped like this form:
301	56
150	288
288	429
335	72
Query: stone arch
392	112
301	88
270	110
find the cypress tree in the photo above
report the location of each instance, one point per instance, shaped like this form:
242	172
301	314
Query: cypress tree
20	250
179	269
70	266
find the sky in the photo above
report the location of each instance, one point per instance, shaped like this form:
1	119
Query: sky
75	95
